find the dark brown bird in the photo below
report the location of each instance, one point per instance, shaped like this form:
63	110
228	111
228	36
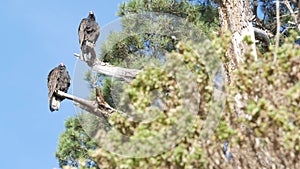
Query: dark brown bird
88	33
58	79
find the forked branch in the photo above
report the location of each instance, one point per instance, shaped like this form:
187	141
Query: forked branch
99	107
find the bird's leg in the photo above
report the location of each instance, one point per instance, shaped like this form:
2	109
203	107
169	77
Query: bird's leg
88	60
81	56
90	44
93	55
84	52
85	58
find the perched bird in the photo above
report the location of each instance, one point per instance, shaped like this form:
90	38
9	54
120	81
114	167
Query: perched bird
88	33
58	79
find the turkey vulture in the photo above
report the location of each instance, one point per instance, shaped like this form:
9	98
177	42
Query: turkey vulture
88	33
58	79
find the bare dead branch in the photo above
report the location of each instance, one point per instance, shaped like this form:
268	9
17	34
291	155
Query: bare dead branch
262	36
255	5
109	70
100	109
293	13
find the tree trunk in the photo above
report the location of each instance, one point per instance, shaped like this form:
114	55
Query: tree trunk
235	16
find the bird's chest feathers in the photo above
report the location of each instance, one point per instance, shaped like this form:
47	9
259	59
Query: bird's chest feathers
90	27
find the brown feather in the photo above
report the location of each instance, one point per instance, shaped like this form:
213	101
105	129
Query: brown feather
52	81
81	30
58	79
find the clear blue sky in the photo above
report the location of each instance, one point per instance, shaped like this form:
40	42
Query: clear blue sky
36	35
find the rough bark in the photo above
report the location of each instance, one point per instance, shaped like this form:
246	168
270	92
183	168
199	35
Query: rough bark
235	16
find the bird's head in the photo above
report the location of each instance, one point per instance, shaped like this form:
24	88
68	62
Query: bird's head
91	15
61	66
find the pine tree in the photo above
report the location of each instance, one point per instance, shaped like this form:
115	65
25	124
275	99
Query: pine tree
259	124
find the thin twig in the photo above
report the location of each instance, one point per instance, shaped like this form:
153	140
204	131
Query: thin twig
293	14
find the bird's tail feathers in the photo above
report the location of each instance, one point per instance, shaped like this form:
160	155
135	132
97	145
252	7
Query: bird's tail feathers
54	104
